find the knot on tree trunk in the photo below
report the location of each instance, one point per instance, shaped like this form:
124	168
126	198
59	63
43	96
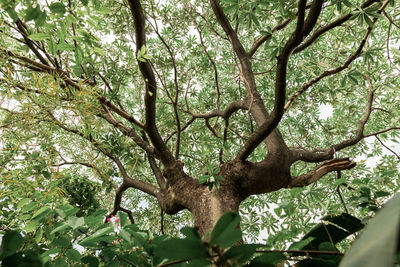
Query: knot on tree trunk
168	202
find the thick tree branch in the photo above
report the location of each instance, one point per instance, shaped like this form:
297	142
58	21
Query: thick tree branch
303	27
117	202
320	171
151	85
328	27
256	106
225	114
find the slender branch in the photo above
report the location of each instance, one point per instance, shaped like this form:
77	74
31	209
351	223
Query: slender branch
339	176
142	186
324	154
226	113
388	148
333	71
319	252
120	112
117	203
157	172
328	27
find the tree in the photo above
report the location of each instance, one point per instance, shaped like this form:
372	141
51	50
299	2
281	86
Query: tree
198	104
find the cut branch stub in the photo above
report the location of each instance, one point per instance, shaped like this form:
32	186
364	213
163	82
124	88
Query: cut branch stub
326	167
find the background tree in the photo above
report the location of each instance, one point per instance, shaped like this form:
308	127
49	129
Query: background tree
201	105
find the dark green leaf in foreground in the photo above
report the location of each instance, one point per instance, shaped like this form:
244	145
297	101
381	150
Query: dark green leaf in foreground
180	249
378	243
11	243
226	232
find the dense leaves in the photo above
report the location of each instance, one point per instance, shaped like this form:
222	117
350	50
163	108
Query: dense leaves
97	98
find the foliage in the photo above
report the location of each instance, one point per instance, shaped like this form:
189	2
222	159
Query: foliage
103	111
72	240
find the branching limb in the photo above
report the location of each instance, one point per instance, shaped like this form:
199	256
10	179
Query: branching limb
320	171
328	27
128	131
142	186
89	165
303	28
225	114
151	85
117	203
388	148
330	72
324	154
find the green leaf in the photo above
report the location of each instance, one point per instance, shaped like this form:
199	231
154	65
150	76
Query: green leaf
99	51
190	233
65	47
58	8
32	13
268	259
22	202
301	244
60	228
11	12
61	242
43	211
31	226
10	244
75	222
100	235
181	249
226	232
51	251
91	261
73	255
377	244
39	235
40	36
241	253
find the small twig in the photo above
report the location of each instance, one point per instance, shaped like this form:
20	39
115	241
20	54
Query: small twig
338	176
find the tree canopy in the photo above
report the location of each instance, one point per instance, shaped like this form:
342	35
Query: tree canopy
172	113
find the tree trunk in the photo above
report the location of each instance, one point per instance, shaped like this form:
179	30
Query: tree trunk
210	206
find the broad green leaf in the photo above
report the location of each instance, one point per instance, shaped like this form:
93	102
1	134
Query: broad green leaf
91	261
226	232
10	244
73	255
61	242
40	36
181	249
242	253
190	233
32	13
268	259
22	202
58	8
75	222
377	244
41	212
51	251
60	228
39	235
31	226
